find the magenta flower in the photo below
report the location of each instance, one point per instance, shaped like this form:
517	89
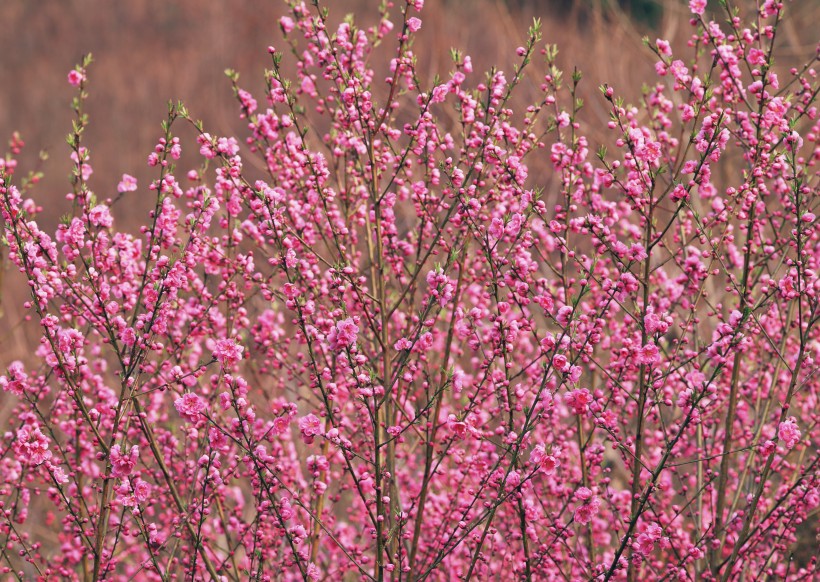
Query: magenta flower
441	287
589	505
637	253
645	542
458	427
142	490
75	77
121	464
287	24
546	462
15	380
579	400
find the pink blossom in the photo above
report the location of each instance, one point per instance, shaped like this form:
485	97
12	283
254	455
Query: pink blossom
31	446
190	406
548	343
281	424
228	352
81	161
343	335
663	47
496	229
121	464
425	342
318	253
100	216
403	344
310	426
546	462
787	287
458	427
697	6
440	286
58	473
142	490
637	252
588	507
578	400
247	100
15	380
287	24
648	354
788	432
645	542
564	314
654	324
75	77
127	184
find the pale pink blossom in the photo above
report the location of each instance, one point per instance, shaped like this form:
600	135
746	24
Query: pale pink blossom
697	6
127	184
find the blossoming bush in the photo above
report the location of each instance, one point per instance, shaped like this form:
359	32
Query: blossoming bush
390	355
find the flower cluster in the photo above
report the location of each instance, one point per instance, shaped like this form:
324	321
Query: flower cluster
410	332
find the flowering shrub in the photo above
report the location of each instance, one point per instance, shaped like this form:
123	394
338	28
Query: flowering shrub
391	355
